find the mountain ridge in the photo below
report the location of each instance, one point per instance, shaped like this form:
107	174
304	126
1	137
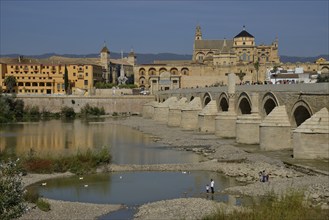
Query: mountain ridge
149	58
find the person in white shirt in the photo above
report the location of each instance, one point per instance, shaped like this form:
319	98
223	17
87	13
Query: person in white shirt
212	183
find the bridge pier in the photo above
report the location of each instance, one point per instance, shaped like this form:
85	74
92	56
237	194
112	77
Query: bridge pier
161	110
190	113
313	132
225	122
175	112
206	118
275	130
148	109
247	125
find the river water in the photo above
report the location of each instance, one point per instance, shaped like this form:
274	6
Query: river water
127	146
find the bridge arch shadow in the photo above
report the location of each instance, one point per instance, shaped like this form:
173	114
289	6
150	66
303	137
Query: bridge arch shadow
206	99
268	104
301	111
223	102
244	104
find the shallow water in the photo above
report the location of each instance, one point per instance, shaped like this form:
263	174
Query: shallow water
134	188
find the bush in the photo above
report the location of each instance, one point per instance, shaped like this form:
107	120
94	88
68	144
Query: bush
88	110
43	205
11	110
67	112
31	195
79	164
11	191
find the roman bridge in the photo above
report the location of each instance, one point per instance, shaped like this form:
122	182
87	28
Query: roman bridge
301	100
284	116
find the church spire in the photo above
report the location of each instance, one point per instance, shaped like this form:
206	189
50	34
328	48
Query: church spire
198	33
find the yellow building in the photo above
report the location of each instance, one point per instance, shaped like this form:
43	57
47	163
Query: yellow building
44	77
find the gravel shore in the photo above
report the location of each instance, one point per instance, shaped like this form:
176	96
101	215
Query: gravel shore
220	155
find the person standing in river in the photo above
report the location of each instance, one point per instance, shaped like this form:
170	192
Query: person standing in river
212	184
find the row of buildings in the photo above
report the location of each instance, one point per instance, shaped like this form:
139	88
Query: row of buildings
211	61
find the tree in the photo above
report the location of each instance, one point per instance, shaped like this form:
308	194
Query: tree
10	82
241	75
11	191
256	65
66	80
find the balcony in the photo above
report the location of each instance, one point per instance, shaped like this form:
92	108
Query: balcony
80	76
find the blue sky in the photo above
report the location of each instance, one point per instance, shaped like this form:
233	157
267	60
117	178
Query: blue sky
81	27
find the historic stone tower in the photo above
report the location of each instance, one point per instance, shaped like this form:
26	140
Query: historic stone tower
105	62
132	58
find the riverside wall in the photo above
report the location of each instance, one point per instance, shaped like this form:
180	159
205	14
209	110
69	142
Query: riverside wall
120	104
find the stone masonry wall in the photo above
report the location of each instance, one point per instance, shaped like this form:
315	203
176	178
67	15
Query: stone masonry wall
119	104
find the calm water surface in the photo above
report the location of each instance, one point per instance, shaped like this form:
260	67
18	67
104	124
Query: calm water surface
57	137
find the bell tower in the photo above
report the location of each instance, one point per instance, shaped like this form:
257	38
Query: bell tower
198	33
105	62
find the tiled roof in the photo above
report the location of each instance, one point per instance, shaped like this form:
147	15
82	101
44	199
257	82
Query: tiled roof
243	33
212	44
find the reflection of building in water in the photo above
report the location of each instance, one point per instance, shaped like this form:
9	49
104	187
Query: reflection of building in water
50	138
54	138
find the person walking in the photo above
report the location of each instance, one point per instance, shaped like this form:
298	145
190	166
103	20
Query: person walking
212	184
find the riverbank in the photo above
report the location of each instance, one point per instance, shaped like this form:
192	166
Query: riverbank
221	156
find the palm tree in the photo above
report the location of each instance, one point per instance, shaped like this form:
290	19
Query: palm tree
241	75
256	65
10	82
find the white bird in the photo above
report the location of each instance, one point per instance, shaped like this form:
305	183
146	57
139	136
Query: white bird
183	172
120	177
80	178
43	184
86	185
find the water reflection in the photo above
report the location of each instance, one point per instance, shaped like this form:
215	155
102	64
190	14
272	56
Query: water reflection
56	137
135	188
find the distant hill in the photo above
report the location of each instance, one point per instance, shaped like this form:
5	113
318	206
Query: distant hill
149	58
292	59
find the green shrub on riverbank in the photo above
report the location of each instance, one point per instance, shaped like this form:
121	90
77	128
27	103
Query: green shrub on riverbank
80	163
43	205
88	110
11	191
289	207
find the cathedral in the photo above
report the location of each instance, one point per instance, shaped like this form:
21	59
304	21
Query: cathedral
211	61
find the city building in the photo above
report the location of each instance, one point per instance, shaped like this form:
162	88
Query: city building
211	61
46	76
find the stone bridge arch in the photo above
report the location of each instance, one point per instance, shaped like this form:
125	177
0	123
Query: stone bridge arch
223	103
244	104
299	113
269	102
206	99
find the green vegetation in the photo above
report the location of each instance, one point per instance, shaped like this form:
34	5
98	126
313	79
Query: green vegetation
43	205
10	82
103	85
11	109
289	207
11	191
80	163
67	112
88	110
321	79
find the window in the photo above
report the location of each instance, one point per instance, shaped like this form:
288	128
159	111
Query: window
74	74
86	74
86	82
